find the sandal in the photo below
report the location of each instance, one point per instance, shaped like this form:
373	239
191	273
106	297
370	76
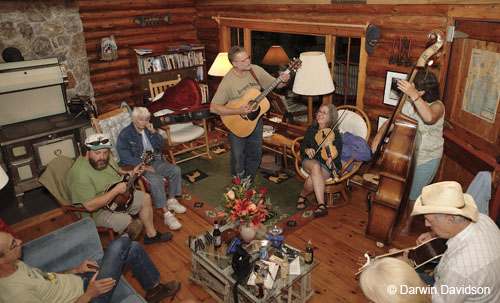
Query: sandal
301	204
320	210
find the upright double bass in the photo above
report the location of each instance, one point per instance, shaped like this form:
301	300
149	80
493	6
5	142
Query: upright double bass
396	173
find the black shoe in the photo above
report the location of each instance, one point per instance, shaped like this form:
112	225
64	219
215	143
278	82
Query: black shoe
159	237
161	291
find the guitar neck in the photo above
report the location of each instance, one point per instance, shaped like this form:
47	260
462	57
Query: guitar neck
273	85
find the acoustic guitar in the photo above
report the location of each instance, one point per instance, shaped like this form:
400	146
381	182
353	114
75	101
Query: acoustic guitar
122	202
418	255
243	125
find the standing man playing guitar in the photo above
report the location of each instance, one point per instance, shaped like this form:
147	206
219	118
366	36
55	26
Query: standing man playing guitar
246	151
88	182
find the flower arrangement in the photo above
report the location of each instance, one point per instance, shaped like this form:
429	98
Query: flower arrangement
243	203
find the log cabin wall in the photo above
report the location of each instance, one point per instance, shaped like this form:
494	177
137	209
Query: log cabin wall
405	20
113	80
393	20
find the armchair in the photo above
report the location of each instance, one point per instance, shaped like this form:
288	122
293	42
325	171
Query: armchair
67	248
354	121
54	179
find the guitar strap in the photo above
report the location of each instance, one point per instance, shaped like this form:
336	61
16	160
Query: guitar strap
256	79
118	172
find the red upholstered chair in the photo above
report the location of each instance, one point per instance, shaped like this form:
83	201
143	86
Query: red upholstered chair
181	137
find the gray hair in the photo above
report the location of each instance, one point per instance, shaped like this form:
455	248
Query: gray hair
234	51
456	218
140	112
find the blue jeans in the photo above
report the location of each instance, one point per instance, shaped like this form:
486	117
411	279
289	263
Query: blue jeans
120	253
156	183
246	152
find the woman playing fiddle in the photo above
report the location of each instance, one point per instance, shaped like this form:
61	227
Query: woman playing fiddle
319	168
422	104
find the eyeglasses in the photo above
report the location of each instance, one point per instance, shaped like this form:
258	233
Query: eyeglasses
98	142
12	245
322	113
247	58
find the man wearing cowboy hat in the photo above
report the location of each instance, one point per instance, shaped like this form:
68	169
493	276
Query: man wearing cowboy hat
469	270
88	182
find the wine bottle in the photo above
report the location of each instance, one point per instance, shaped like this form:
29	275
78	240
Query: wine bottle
216	236
309	253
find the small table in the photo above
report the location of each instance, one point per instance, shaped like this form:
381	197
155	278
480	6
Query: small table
212	270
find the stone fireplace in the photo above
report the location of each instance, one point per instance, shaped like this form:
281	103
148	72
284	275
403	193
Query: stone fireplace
48	28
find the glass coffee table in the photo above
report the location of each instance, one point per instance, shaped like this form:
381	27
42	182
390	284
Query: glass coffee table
211	269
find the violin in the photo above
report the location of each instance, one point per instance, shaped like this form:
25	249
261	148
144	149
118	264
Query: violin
324	138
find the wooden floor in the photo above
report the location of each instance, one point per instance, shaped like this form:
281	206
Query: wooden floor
338	239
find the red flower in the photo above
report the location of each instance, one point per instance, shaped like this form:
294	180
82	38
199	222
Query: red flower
262	191
248	194
236	181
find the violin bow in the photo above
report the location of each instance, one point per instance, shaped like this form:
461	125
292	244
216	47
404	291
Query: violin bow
334	127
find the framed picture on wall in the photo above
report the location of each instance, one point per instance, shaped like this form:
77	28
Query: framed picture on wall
381	121
391	91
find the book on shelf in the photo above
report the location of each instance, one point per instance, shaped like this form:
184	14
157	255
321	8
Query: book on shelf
172	48
192	46
143	51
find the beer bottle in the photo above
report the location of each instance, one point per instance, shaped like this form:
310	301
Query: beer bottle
285	269
216	236
309	253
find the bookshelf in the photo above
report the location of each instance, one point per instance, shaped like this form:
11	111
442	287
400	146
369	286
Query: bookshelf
184	60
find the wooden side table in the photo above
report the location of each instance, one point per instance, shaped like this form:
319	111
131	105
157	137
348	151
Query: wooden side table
279	144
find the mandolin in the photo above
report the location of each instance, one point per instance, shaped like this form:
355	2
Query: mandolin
122	202
243	125
418	255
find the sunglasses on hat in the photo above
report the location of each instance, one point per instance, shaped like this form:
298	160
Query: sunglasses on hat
98	142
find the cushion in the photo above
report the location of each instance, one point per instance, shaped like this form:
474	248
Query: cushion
185	94
112	127
352	123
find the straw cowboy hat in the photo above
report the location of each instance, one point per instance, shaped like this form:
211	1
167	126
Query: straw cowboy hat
445	198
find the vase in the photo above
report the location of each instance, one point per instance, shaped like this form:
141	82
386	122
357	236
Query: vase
247	232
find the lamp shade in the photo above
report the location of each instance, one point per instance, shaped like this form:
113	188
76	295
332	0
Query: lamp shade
276	55
313	78
3	178
221	65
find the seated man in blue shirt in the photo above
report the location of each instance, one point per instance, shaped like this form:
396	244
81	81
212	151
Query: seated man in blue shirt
138	137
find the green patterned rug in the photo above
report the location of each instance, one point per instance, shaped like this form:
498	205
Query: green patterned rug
204	182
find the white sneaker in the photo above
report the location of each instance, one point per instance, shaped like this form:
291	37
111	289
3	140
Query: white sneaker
170	220
174	205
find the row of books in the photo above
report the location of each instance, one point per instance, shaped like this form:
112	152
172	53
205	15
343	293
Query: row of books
169	62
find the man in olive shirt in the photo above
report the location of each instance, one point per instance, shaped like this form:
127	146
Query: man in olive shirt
88	182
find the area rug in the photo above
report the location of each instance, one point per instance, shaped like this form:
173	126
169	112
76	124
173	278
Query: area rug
204	196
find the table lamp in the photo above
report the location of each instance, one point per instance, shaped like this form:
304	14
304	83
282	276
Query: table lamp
313	78
221	66
3	178
276	55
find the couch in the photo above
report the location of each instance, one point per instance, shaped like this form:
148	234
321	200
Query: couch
67	248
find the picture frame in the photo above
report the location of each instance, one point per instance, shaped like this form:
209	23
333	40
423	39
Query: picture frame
391	95
381	120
